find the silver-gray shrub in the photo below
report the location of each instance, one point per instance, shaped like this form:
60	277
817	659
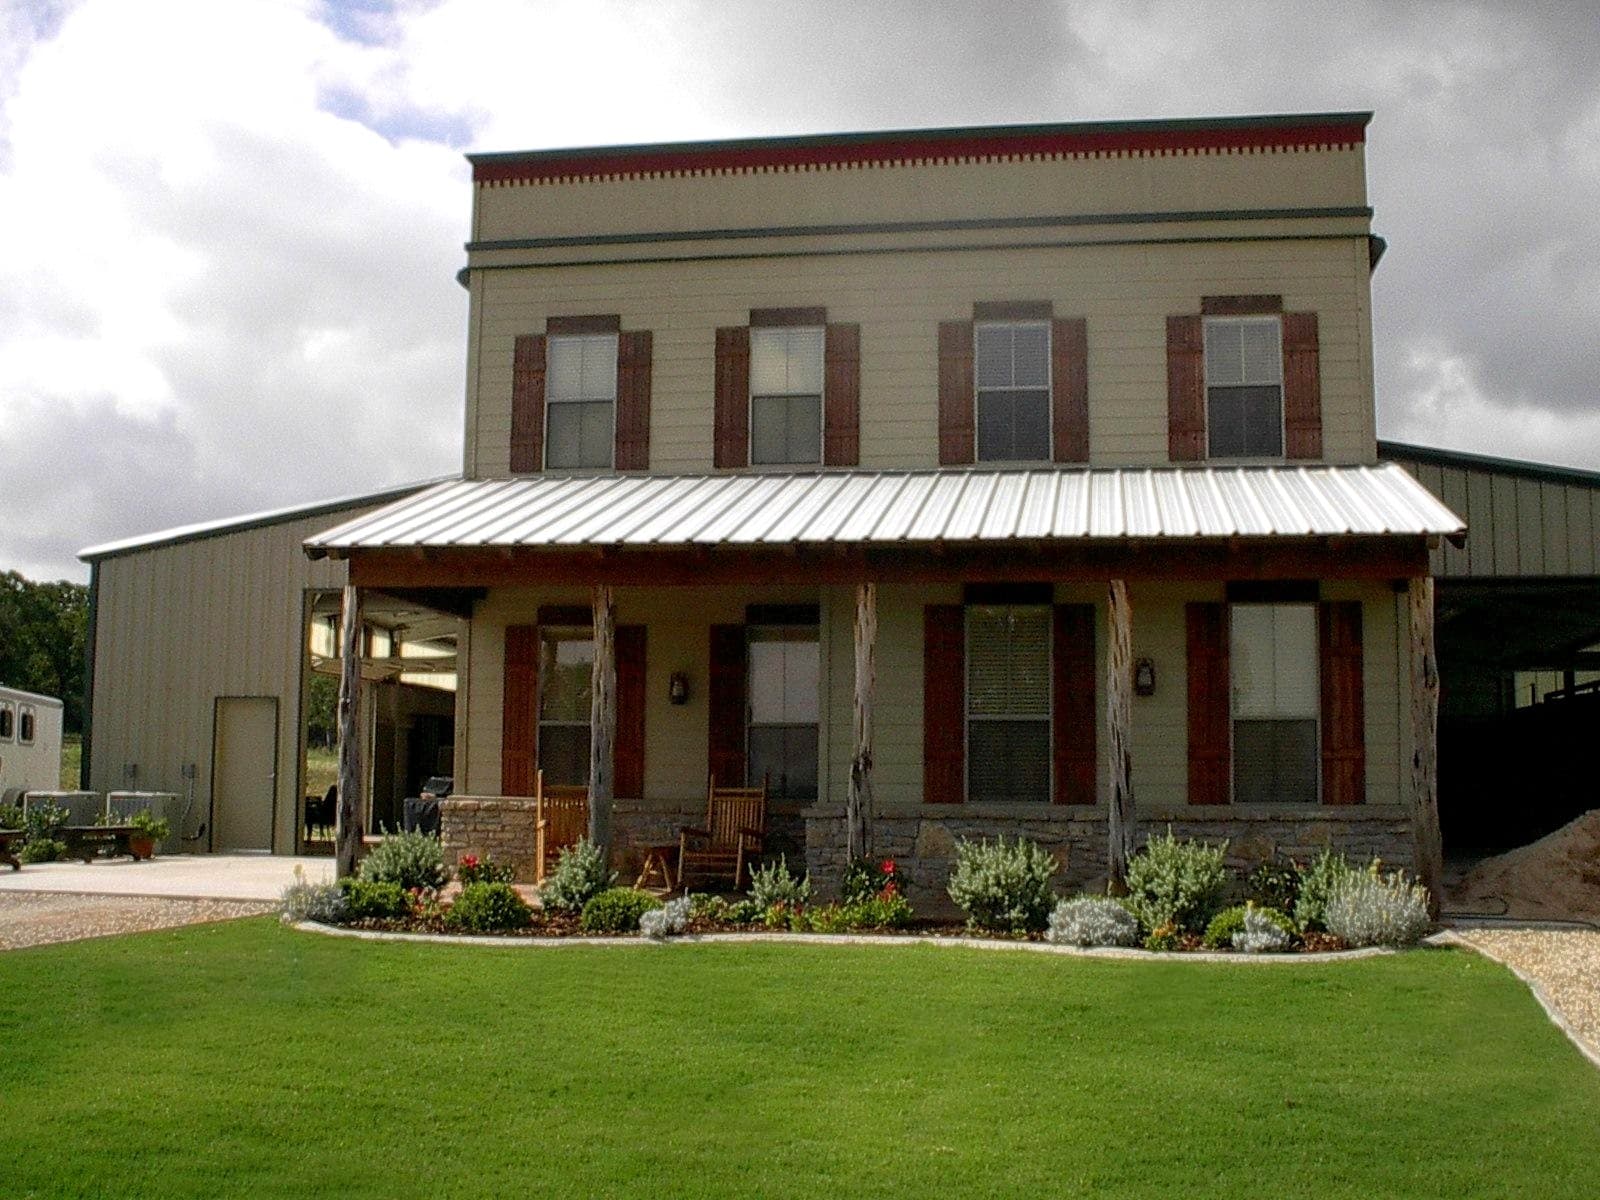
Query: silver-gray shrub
305	901
776	884
1367	909
413	860
1092	921
1003	886
1172	882
580	874
1262	934
671	918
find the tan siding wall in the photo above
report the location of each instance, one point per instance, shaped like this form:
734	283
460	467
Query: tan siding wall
179	626
1126	293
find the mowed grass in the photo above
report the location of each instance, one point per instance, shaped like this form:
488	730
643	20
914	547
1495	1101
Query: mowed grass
250	1060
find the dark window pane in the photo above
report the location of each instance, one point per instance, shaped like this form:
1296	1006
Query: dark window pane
1031	356
1244	422
564	753
767	429
1031	413
786	429
803	443
1008	761
786	756
579	435
1275	762
1013	426
994	426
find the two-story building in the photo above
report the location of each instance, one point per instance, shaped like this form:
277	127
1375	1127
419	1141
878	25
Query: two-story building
985	481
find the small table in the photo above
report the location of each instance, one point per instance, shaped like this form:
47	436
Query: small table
7	836
657	864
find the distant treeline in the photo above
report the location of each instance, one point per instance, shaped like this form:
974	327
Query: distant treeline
42	634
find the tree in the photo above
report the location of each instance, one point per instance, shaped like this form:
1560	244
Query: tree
43	635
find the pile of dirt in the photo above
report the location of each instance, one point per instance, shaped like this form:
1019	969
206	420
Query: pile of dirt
1556	877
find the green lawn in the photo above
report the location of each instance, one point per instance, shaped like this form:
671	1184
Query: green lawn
250	1060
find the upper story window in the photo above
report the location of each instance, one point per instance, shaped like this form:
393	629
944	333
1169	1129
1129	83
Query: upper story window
1013	386
786	395
1244	387
1008	703
580	396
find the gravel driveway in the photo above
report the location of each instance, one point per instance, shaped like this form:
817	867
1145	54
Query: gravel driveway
37	918
1563	967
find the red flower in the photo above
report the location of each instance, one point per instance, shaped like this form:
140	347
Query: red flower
888	866
469	861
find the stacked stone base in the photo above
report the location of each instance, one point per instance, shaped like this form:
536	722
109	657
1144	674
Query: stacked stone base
922	842
502	828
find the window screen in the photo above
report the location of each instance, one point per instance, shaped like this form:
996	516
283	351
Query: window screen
581	390
1008	703
1013	376
566	667
1276	700
785	684
786	395
1244	388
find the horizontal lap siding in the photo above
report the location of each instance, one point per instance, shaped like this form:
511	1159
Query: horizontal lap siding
1124	293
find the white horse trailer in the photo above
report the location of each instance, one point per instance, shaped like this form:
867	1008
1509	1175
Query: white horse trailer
30	744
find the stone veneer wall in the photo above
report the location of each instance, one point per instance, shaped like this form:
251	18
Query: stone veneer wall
502	828
922	842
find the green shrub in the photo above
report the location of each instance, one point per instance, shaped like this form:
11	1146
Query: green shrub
579	876
11	817
1162	938
616	910
483	870
1172	882
866	877
1003	886
1219	933
374	900
304	901
41	849
1368	909
1092	921
408	860
1318	882
742	912
153	827
1275	884
705	907
776	884
489	908
42	821
886	910
1263	932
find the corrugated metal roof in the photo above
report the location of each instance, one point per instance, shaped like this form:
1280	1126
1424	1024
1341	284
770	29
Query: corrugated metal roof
903	506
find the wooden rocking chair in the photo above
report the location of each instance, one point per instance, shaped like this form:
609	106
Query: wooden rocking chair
736	825
560	818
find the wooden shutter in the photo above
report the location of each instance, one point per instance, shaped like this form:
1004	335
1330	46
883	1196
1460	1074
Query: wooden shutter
633	400
628	753
1302	387
1069	389
841	396
1186	389
1344	750
1210	704
732	406
944	724
1073	704
726	689
957	435
519	710
527	403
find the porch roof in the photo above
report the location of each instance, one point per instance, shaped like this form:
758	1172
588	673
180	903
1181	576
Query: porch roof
902	507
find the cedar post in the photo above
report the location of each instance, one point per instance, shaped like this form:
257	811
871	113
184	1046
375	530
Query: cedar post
1119	719
858	804
1425	741
602	719
347	822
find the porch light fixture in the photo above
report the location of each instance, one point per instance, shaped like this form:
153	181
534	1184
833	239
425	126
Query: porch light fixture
1144	677
678	688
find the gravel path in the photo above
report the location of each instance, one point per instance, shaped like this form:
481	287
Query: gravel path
37	918
1563	965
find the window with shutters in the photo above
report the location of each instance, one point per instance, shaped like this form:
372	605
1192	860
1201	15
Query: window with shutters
786	395
1276	699
1013	391
580	401
784	685
1244	387
1008	703
566	666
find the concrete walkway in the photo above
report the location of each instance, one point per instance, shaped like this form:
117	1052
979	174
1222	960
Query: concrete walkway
177	876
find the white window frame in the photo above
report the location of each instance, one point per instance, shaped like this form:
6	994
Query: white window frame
784	633
1233	691
967	718
822	396
1049	390
550	400
1276	321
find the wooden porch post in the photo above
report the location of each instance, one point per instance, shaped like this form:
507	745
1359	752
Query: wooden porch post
1119	719
603	719
858	804
1425	741
347	822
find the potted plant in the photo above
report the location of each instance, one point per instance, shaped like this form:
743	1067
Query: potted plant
148	830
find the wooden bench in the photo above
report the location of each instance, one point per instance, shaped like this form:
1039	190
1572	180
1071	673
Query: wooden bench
7	838
85	840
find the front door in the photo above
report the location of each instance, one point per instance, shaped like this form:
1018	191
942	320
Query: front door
244	772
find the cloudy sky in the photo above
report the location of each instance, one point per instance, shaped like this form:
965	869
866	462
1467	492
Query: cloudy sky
229	228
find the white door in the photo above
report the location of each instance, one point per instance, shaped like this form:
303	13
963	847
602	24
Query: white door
244	774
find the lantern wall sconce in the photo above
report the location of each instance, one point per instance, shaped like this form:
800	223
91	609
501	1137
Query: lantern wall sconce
678	688
1144	677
